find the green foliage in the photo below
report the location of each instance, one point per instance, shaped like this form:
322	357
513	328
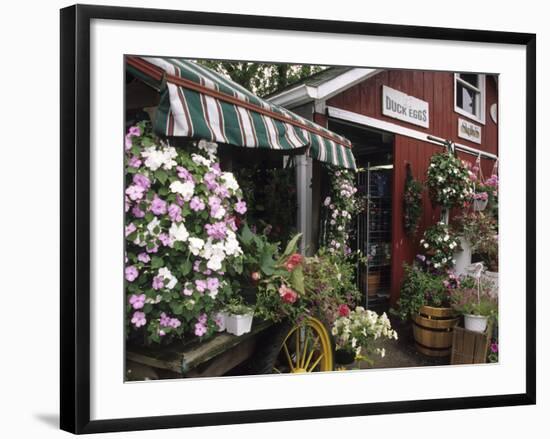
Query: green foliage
473	296
439	244
481	231
420	288
448	180
412	205
261	78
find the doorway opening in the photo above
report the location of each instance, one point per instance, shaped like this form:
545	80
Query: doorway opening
373	151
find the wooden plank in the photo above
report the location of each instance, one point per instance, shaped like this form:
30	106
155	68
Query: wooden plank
470	347
182	357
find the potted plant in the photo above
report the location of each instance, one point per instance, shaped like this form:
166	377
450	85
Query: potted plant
474	301
449	180
439	243
355	332
238	320
425	300
412	203
480	199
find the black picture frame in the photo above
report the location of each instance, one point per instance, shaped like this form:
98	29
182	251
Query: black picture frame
75	217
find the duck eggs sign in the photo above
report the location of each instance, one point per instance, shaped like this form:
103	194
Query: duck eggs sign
404	107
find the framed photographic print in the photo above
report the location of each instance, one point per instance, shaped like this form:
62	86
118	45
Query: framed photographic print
270	219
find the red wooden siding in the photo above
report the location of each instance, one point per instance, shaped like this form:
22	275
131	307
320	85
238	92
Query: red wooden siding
436	88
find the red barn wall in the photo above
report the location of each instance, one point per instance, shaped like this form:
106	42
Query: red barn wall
437	88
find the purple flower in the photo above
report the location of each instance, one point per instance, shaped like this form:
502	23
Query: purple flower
158	206
138	319
144	257
129	229
212	283
216	169
158	282
174	212
166	240
127	142
187	290
137	212
142	180
196	204
184	174
200	329
210	181
131	273
136	301
134	162
203	318
214	202
222	191
494	347
216	230
200	285
134	131
197	265
240	207
153	249
164	319
135	192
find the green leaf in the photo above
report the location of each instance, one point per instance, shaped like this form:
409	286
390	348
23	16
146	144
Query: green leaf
176	307
186	267
297	280
156	262
246	235
161	175
267	264
292	246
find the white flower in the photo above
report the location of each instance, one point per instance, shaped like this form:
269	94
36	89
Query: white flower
195	245
231	246
153	158
426	245
200	160
327	201
210	147
215	263
166	274
153	225
446	238
219	213
186	189
178	232
229	181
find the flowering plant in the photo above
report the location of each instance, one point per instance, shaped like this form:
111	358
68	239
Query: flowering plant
412	204
180	227
449	180
422	287
341	206
473	296
439	243
357	331
493	351
481	231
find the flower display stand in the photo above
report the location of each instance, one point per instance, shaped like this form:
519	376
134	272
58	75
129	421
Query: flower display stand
470	347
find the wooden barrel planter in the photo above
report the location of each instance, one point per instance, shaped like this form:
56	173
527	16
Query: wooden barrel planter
433	330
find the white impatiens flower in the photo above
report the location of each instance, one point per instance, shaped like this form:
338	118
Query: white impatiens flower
210	148
178	232
218	213
229	181
154	227
200	160
156	158
195	245
231	246
167	275
186	190
446	238
426	245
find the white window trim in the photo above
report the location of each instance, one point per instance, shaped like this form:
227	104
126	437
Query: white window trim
482	98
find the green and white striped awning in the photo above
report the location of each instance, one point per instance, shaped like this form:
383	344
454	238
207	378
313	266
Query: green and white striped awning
199	103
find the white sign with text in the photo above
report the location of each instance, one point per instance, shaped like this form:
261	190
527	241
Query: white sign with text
407	108
469	131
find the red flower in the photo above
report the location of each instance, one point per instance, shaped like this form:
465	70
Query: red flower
343	310
255	276
288	295
293	261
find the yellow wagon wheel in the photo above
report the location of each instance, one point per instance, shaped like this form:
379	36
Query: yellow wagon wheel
307	347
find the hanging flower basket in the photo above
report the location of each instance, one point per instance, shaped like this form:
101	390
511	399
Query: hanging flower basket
480	201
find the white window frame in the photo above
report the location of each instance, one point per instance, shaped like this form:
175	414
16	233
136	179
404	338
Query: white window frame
482	97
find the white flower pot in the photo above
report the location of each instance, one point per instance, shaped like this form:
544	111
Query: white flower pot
238	324
463	258
480	205
220	321
475	323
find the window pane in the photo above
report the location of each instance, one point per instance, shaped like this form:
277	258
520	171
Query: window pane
466	99
471	78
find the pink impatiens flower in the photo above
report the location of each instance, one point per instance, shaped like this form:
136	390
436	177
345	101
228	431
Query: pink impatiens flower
196	204
158	282
158	206
135	192
144	257
138	319
131	273
137	301
240	207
